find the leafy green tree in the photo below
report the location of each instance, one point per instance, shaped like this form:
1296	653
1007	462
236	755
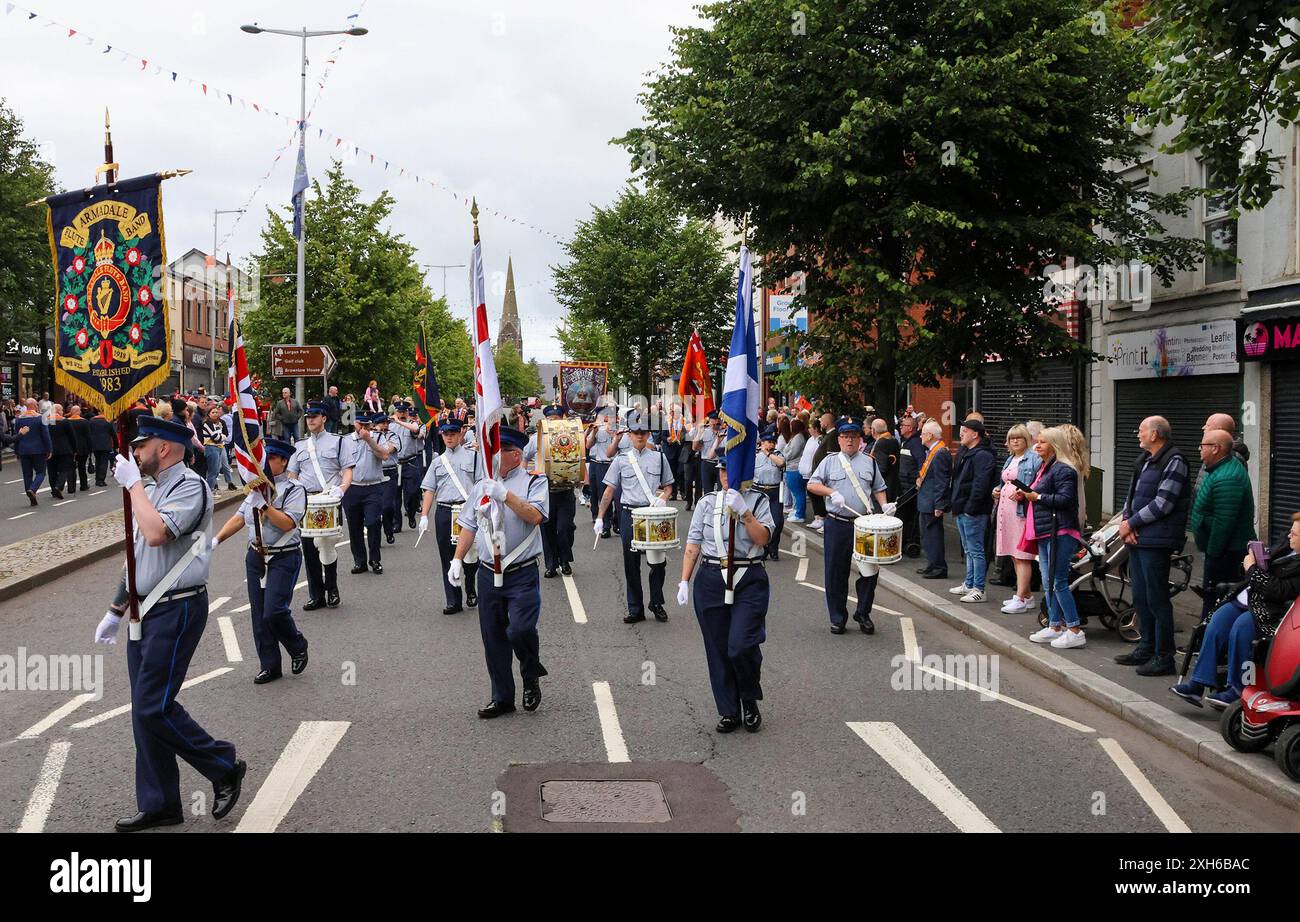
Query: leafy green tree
1224	71
365	293
450	351
647	275
26	273
919	163
516	378
585	342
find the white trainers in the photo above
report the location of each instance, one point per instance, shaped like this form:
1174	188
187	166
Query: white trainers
961	590
1069	640
815	525
1015	605
1046	635
975	595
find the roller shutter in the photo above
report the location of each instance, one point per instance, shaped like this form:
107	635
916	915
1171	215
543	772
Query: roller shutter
1284	459
1005	398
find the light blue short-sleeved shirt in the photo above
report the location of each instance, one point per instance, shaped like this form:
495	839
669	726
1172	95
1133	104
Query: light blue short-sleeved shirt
330	454
831	473
534	490
409	444
291	499
464	462
621	474
367	467
703	533
184	503
767	474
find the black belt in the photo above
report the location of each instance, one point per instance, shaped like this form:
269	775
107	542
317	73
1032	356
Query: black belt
518	564
277	550
408	460
449	505
177	594
849	519
369	483
712	461
740	561
767	486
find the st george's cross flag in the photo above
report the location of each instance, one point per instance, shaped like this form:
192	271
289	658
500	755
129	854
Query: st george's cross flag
250	453
487	389
740	389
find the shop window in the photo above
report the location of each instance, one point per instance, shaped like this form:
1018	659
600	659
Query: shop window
1220	229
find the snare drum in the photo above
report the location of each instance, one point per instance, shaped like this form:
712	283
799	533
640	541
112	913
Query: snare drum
654	528
322	519
877	539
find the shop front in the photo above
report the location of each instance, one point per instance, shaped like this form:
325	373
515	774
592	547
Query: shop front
1275	341
22	371
1006	396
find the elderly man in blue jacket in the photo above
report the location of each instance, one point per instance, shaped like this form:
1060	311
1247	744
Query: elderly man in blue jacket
932	497
972	504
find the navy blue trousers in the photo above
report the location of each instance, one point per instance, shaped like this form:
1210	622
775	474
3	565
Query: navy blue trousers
838	556
447	551
558	529
596	472
157	664
732	634
507	619
412	474
272	609
632	570
708	476
932	540
33	471
392	501
362	507
773	495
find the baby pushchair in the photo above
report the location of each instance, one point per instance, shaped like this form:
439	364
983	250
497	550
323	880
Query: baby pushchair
1100	585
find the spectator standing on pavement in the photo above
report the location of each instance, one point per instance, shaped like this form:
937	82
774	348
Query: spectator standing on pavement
46	406
1054	508
1022	464
885	450
81	445
972	504
910	458
213	434
1229	425
333	410
828	442
33	447
287	413
1155	526
102	442
795	481
933	498
1223	514
348	414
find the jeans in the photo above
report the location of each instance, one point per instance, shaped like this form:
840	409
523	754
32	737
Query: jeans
1054	558
971	529
215	455
1232	632
1225	568
1148	570
798	488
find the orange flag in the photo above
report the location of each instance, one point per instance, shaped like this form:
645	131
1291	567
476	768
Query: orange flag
695	387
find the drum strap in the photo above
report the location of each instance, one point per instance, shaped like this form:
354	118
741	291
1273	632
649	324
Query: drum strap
315	464
455	478
636	469
857	484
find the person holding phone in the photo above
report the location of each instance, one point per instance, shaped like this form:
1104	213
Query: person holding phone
1272	583
1020	469
1223	514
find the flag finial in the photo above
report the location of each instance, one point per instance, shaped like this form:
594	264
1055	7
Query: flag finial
473	213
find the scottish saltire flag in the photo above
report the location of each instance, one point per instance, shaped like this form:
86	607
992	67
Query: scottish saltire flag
487	388
740	390
250	454
299	187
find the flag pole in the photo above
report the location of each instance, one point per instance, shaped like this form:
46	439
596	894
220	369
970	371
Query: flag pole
498	578
730	595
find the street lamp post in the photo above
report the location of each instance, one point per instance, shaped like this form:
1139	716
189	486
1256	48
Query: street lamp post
444	268
304	34
212	327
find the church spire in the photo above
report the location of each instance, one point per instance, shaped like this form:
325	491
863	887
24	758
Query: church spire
511	330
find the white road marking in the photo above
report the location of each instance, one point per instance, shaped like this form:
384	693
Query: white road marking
47	785
22	515
615	747
126	708
343	544
801	573
235	611
64	503
875	607
988	693
1159	806
904	757
229	640
54	717
217	603
299	586
910	648
305	753
575	602
19	480
98	492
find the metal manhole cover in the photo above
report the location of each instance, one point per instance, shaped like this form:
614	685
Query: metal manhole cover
604	802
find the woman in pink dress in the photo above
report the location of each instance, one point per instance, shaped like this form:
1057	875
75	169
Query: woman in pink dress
1022	464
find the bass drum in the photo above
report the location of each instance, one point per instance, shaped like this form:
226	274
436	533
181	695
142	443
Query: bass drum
561	452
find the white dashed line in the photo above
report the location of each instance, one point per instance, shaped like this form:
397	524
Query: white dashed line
229	640
54	717
304	755
242	608
910	648
217	603
22	515
575	603
299	586
126	708
906	758
64	503
1159	806
998	696
98	492
801	573
615	747
343	544
47	785
854	599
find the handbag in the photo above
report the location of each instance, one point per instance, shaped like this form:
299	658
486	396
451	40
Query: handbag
1028	542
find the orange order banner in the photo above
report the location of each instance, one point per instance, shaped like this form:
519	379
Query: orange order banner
695	387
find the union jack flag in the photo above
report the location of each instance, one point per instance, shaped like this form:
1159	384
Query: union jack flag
250	453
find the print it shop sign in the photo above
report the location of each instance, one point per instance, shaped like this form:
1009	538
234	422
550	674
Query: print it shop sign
1275	340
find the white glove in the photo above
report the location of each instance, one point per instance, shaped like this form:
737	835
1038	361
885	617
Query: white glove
598	526
126	472
835	501
107	630
890	508
496	490
424	524
736	502
658	500
336	492
683	592
216	539
456	573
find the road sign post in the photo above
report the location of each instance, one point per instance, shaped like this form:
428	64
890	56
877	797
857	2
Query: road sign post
290	361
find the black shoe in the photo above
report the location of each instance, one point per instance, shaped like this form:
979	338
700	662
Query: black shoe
660	613
865	624
298	663
31	498
225	794
313	604
471	599
1133	659
925	571
359	568
727	724
148	820
604	534
633	619
775	555
452	610
410	522
1158	666
101	483
750	716
913	551
566	568
496	709
389	538
616	531
549	574
57	494
837	629
532	694
936	574
266	676
377	567
332	599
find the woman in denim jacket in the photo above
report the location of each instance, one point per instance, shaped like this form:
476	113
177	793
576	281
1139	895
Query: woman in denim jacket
1023	465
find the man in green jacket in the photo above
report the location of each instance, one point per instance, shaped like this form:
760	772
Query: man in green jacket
1223	514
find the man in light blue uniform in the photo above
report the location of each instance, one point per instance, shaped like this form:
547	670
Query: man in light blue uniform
558	532
507	532
274	555
410	439
848	494
732	633
392	496
363	501
601	434
172	552
705	441
325	474
448	482
769	470
644	477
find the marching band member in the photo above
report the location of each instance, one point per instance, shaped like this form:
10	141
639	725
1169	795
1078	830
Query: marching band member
732	633
769	470
391	493
645	479
558	531
448	482
601	434
317	464
705	441
410	438
507	613
363	501
272	563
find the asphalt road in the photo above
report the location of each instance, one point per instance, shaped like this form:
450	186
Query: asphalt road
385	716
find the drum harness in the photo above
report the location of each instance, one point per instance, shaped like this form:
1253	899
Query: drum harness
472	555
742	564
857	488
171	576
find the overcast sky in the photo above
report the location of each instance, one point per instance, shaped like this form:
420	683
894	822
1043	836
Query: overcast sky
513	101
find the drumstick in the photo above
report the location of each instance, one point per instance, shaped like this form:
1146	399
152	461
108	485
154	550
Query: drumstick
417	540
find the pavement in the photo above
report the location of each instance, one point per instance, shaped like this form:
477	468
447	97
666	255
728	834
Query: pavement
380	733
